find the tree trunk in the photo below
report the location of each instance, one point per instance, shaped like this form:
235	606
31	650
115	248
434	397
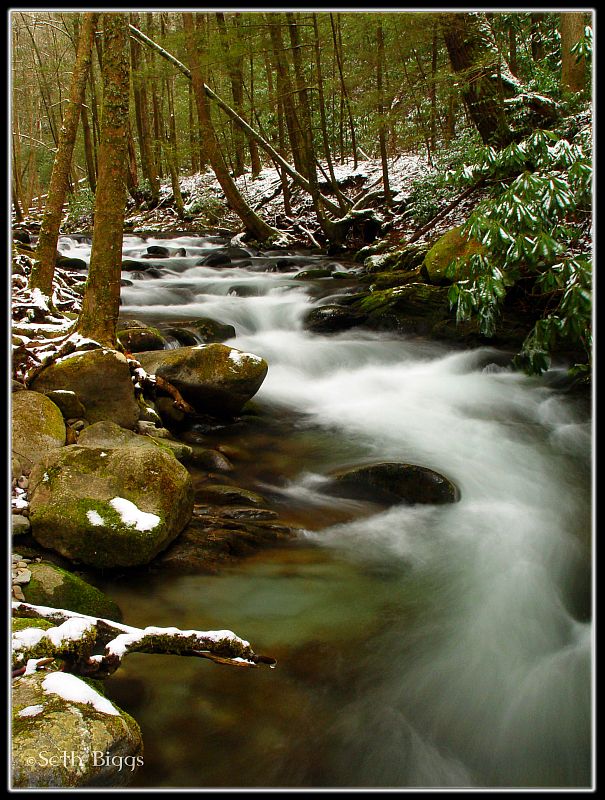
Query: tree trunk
236	78
252	222
573	72
43	269
142	117
537	46
345	95
381	129
101	302
155	102
172	157
88	151
467	38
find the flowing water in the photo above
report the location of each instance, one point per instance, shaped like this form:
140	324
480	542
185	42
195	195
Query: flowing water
417	646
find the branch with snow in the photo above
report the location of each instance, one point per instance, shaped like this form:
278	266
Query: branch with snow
76	640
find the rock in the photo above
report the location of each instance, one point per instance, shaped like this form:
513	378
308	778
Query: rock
448	247
65	743
126	324
158	251
393	482
101	379
65	262
210	459
136	340
38	427
16	469
214	378
312	274
20	525
218	258
53	586
210	542
17	593
110	506
184	337
221	495
110	435
210	331
68	402
22	577
332	318
130	265
21	236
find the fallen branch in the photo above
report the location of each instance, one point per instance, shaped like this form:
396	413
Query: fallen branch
444	211
77	638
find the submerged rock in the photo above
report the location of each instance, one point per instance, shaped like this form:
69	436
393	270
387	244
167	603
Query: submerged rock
110	507
214	378
66	734
332	318
393	482
101	379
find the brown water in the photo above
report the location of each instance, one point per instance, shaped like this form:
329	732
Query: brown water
417	646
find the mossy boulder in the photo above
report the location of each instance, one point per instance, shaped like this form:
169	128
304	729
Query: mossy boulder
109	507
214	378
53	586
393	482
332	318
101	379
448	247
136	340
58	742
108	434
68	402
219	494
38	427
202	330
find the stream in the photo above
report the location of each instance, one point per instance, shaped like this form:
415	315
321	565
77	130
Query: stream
417	645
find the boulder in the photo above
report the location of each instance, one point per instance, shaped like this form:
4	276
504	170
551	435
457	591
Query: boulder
158	251
66	734
448	247
332	318
66	262
218	258
110	507
221	495
53	586
393	482
68	402
202	330
109	435
213	378
38	427
136	340
101	379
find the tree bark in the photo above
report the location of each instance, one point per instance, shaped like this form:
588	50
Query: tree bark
101	302
573	72
345	95
43	269
381	129
252	222
142	117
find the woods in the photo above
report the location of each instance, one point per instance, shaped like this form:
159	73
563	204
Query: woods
302	345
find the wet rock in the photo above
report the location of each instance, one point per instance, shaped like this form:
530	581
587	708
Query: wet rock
219	494
218	258
158	251
393	482
110	507
313	274
130	265
38	427
71	263
214	378
21	236
202	330
137	340
101	379
50	585
48	728
332	318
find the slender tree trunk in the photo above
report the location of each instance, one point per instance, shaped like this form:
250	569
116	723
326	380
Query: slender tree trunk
537	45
512	50
132	177
234	69
16	206
286	94
322	112
573	72
345	95
88	150
142	116
381	129
155	102
43	269
255	162
101	302
252	222
193	143
433	90
172	157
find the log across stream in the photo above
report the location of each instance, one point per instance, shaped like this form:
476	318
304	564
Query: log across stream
417	646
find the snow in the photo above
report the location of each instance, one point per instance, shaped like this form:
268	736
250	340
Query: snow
31	711
95	518
123	641
26	638
32	665
74	690
70	630
133	516
238	357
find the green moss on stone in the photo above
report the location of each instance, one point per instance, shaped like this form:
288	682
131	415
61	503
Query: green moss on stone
53	586
450	246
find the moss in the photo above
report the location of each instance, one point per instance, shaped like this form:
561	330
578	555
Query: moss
450	246
20	623
70	649
53	586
